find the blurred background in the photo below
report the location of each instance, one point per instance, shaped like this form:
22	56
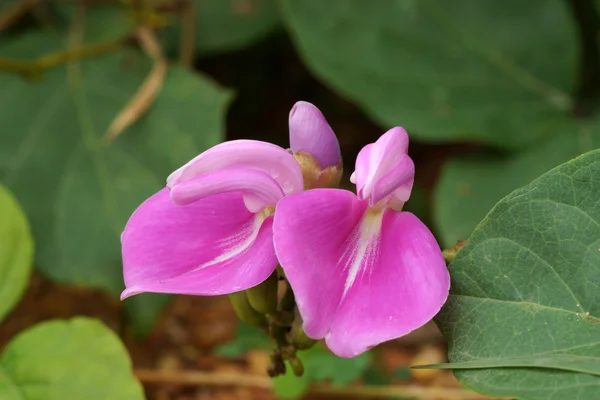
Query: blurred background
100	100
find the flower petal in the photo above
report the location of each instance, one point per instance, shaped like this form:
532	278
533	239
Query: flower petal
402	283
209	247
310	133
398	183
263	156
310	231
378	159
259	189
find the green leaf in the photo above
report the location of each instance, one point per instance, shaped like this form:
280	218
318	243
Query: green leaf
246	338
289	386
16	252
227	25
470	186
74	359
78	193
143	310
322	365
526	285
103	22
566	362
469	69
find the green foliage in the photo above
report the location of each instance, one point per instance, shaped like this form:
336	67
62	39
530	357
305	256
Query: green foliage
526	286
484	71
225	25
77	192
246	338
470	186
16	252
321	365
75	359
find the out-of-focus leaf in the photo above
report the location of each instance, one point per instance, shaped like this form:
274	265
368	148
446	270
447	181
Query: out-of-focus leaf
75	359
470	69
103	22
289	386
526	284
226	25
470	186
321	365
246	338
16	252
325	366
374	375
143	310
78	193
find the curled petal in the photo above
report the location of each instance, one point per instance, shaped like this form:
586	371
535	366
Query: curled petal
396	184
259	189
360	277
209	247
384	163
310	133
263	156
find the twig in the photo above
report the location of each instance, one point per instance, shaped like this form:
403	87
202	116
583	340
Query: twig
146	94
199	378
188	35
588	26
37	66
14	12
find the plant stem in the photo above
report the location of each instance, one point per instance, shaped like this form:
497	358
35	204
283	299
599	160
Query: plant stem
588	26
35	67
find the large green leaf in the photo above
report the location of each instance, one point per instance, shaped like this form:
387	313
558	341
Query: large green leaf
527	284
78	193
225	25
467	69
59	360
16	252
470	186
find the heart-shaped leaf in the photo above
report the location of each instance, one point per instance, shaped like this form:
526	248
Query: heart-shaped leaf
77	192
16	252
466	69
527	284
59	360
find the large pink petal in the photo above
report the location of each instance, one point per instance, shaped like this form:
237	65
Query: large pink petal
401	283
310	233
259	189
310	133
263	156
208	247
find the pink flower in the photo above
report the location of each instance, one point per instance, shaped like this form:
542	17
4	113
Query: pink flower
210	231
363	271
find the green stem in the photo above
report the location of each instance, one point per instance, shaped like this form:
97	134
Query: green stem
35	68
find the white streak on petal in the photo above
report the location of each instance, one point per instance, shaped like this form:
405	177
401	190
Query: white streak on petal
238	244
363	247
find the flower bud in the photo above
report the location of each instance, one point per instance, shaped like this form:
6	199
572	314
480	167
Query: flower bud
314	176
310	133
263	297
245	312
